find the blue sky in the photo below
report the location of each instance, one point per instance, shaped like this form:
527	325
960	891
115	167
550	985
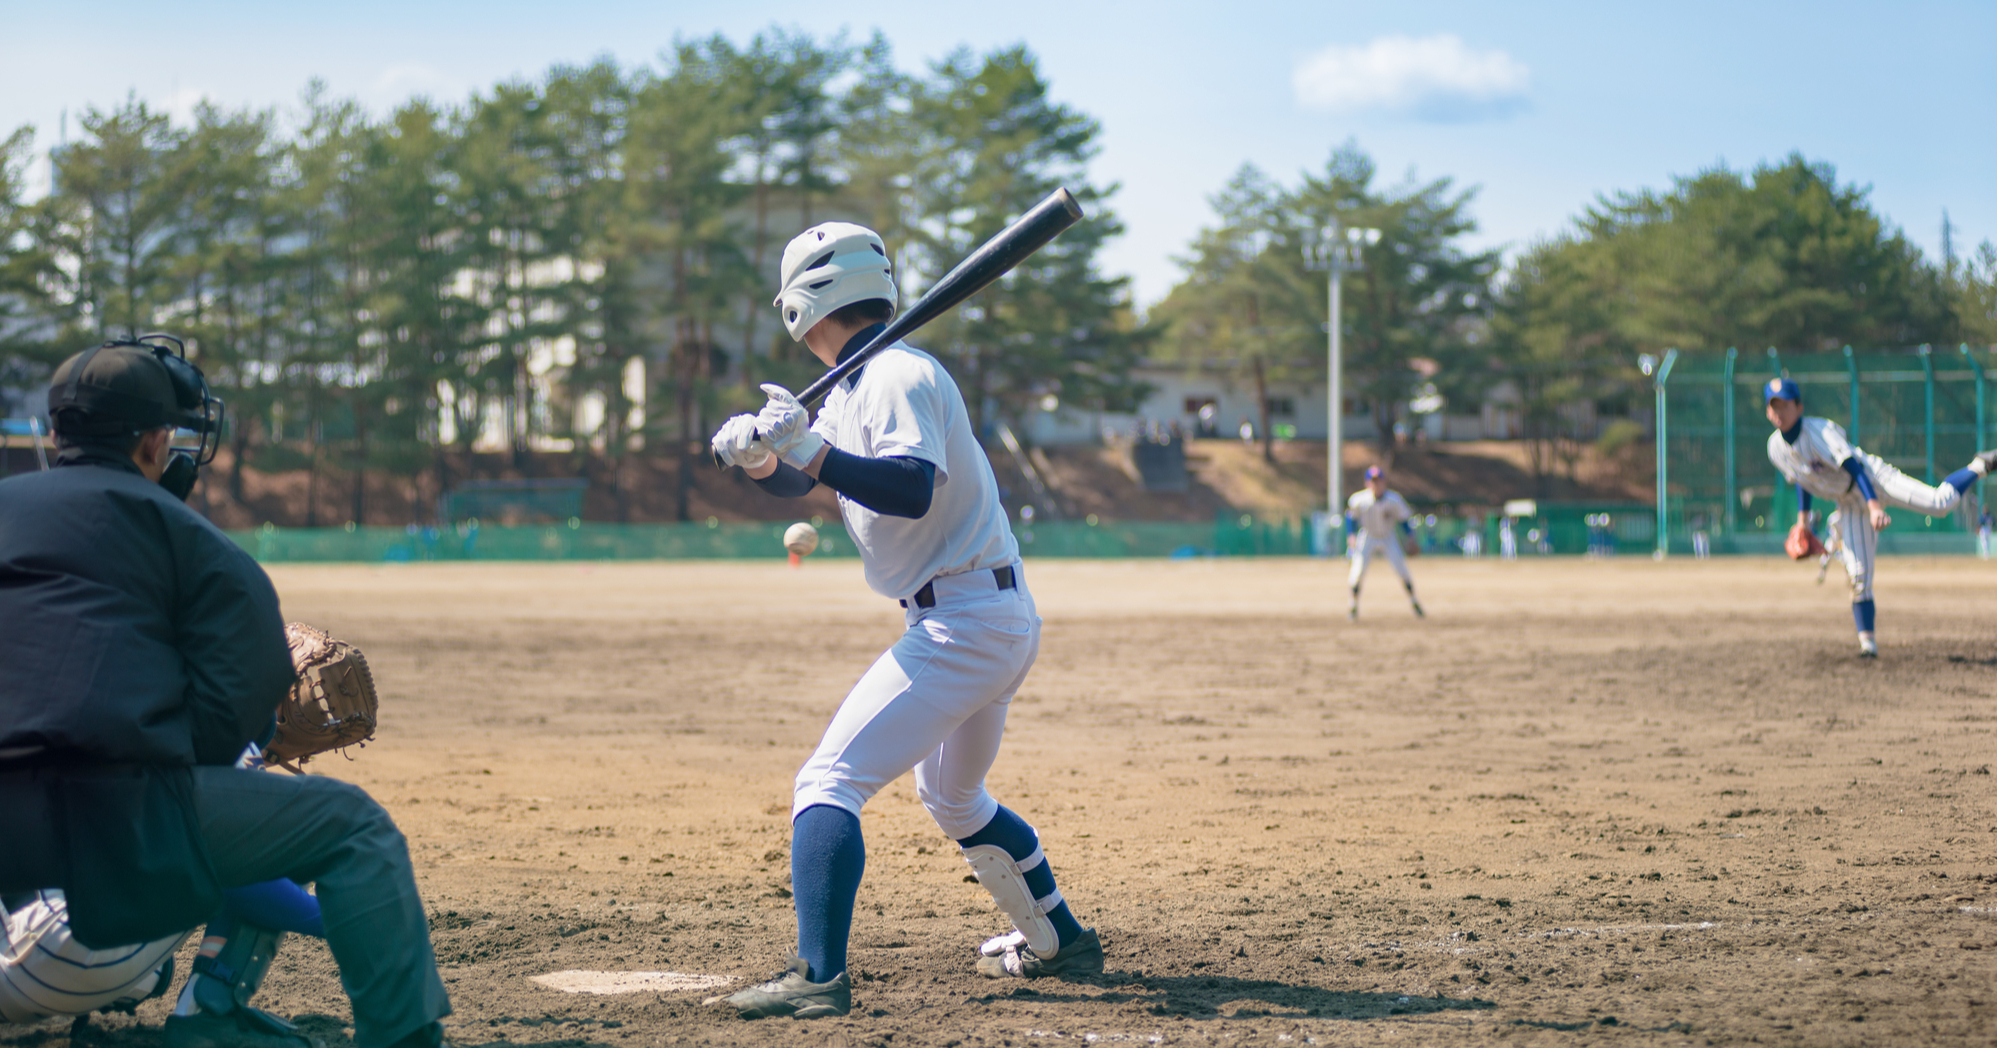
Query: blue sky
1540	105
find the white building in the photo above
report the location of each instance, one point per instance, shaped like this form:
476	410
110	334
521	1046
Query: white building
1297	410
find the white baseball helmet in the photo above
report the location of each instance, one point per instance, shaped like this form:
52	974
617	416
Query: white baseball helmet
830	265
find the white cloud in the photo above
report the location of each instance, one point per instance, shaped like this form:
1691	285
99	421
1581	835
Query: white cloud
1436	78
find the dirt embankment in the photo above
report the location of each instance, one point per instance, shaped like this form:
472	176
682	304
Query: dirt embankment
1224	476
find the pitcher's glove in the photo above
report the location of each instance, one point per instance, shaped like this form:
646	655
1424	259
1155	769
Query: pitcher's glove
1410	546
1803	543
332	704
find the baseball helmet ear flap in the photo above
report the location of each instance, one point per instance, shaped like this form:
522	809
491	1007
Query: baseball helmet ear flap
830	265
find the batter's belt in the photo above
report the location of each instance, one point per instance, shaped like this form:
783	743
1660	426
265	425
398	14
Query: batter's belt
1006	577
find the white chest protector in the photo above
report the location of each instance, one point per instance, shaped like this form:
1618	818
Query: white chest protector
904	403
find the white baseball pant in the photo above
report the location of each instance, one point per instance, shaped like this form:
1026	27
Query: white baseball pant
1898	489
44	972
1856	545
1856	542
935	702
1366	548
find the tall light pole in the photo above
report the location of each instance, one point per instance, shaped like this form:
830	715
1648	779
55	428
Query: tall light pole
1336	252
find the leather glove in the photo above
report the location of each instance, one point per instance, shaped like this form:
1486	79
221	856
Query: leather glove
735	443
1802	543
786	428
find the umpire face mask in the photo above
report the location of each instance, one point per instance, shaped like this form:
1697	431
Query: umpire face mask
120	398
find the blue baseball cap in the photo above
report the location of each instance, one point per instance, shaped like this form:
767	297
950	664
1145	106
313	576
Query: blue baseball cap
1782	388
1375	473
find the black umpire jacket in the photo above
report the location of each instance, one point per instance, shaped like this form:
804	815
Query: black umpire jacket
136	641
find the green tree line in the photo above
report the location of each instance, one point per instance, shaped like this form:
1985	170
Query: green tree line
582	261
1784	255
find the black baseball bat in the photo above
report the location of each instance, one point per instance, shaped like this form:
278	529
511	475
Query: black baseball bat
999	255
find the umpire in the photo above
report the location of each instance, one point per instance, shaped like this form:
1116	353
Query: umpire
140	650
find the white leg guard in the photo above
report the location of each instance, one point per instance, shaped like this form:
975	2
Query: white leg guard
1006	880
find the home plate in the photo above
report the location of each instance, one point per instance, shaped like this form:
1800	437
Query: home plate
630	982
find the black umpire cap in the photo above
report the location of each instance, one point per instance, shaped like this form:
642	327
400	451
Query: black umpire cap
117	390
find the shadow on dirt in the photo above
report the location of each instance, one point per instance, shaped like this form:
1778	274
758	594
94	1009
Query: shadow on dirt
1222	997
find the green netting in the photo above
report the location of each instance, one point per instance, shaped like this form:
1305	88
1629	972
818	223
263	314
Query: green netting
580	540
1925	412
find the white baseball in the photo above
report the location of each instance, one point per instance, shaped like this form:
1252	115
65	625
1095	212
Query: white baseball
801	538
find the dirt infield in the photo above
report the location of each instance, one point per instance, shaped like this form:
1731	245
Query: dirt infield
1582	802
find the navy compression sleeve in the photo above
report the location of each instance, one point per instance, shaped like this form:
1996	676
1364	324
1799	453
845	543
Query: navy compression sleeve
896	486
788	482
1857	470
1802	499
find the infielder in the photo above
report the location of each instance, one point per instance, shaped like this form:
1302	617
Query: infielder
919	499
1376	519
1814	455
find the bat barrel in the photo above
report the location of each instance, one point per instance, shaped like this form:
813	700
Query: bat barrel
997	257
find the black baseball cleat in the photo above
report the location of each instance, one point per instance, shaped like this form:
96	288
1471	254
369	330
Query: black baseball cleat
1420	614
791	992
1084	956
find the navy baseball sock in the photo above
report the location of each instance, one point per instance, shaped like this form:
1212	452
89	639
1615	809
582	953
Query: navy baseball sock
1019	840
827	857
1961	479
1861	613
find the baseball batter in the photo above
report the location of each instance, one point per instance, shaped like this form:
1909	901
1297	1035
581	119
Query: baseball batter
1814	455
1375	521
920	501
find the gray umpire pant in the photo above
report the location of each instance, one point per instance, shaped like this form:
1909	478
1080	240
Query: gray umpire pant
263	825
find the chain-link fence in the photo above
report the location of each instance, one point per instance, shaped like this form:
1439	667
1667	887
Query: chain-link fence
1923	410
1229	535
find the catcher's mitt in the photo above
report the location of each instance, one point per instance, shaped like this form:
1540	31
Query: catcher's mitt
332	704
1803	543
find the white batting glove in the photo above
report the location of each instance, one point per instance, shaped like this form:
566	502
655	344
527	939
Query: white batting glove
786	428
735	443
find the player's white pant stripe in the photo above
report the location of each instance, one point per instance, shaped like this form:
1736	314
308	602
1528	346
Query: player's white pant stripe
44	972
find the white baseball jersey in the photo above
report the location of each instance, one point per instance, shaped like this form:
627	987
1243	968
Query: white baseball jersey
1815	461
904	403
1377	517
45	972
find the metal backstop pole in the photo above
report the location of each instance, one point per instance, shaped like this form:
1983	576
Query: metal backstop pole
1927	356
1851	363
1977	366
1663	457
1727	405
1335	434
